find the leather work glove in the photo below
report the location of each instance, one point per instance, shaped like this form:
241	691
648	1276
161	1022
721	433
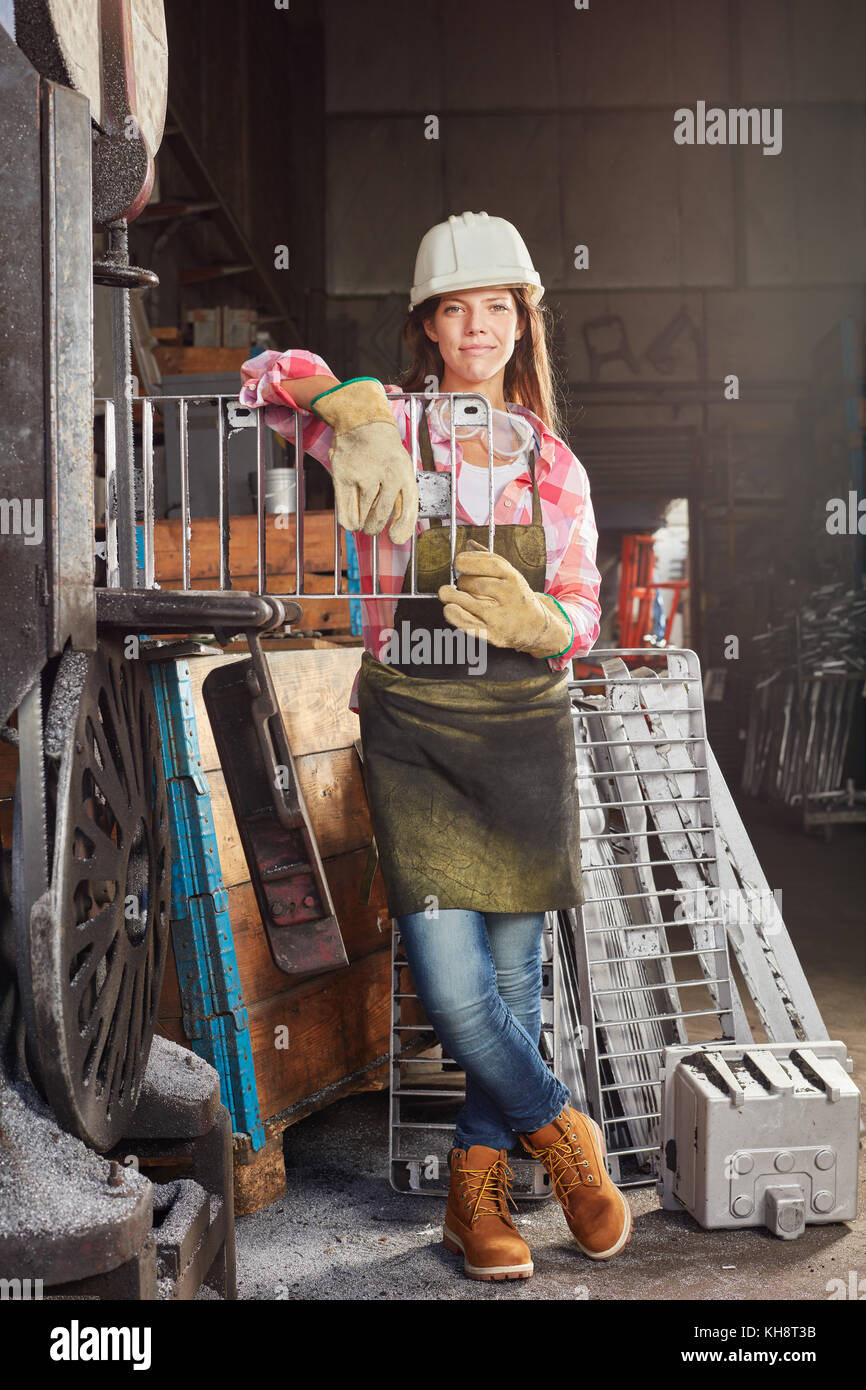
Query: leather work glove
371	470
493	600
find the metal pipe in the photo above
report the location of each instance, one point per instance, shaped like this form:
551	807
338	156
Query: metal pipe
680	800
633	834
224	523
147	487
666	984
184	492
261	555
660	1018
413	436
112	568
490	523
653	926
657	893
647	863
611	1120
658	955
451	459
631	1085
337	552
636	742
118	252
639	1149
640	772
299	503
635	1052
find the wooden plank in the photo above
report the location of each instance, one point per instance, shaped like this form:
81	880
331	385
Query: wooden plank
333	1026
172	1028
200	360
364	928
169	1001
333	789
243	550
313	689
8	769
262	1179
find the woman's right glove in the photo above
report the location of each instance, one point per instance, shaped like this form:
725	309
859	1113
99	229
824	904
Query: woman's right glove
371	470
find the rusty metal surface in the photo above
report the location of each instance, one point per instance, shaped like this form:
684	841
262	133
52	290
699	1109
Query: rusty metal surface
46	467
178	610
60	1217
273	823
61	39
24	591
122	162
208	1161
180	1094
68	241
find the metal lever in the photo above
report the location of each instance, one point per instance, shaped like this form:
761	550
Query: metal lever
283	858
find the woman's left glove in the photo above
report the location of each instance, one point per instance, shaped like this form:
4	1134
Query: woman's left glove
493	600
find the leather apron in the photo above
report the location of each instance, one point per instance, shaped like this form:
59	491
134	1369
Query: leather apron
470	776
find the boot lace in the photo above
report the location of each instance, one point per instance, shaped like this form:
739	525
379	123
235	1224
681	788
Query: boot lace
562	1165
488	1185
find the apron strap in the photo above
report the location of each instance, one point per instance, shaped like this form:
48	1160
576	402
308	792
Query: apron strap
430	467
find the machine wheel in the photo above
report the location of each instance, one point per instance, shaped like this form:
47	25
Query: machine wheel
97	949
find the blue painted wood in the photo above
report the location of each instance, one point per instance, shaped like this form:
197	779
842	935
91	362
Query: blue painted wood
214	1016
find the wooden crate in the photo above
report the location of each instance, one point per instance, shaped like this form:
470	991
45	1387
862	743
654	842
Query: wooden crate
338	1024
325	614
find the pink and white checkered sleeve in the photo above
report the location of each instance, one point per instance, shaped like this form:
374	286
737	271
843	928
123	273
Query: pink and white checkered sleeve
266	382
573	579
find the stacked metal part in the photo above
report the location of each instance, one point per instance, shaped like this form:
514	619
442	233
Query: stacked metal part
639	939
802	717
671	883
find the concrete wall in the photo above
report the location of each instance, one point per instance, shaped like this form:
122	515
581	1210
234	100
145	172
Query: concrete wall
704	261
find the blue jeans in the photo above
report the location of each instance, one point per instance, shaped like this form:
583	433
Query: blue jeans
478	976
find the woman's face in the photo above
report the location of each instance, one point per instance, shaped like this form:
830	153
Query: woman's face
476	331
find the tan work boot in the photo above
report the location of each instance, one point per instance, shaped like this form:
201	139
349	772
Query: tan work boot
478	1225
572	1149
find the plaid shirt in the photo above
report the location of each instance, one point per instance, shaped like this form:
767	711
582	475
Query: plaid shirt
563	489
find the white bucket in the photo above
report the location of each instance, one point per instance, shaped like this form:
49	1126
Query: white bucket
280	491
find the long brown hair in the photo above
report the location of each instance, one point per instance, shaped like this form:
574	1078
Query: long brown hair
529	379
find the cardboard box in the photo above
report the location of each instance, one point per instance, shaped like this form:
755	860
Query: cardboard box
206	327
238	327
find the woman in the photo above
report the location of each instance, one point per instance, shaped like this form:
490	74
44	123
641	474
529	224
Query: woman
470	765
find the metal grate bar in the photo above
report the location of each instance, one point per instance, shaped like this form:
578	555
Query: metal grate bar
147	488
184	491
224	522
646	926
613	776
658	1018
680	984
657	955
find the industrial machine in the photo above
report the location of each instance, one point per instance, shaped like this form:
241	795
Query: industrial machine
86	895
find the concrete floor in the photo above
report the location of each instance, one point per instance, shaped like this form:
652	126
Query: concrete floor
342	1232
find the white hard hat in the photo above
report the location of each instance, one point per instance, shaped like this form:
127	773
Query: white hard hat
470	251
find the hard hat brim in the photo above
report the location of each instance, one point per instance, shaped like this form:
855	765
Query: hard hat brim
508	277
